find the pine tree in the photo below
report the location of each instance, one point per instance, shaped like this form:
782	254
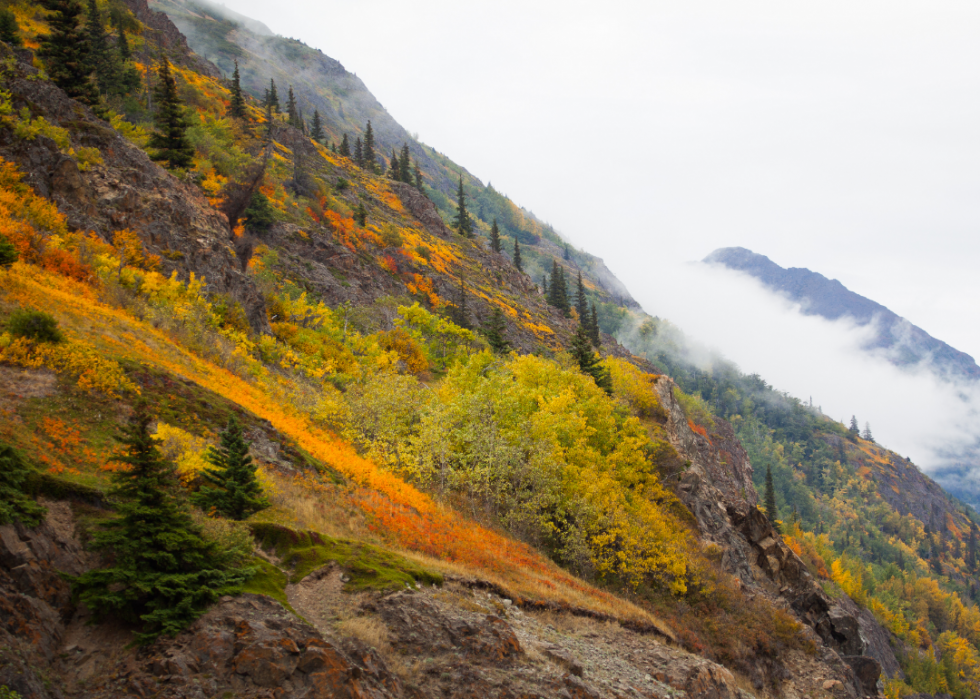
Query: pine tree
122	43
405	165
461	315
345	146
558	296
370	159
772	513
236	493
971	550
272	97
15	505
66	52
360	216
170	139
866	435
854	429
359	153
581	303
495	237
9	31
259	216
8	253
462	222
419	185
237	106
594	331
587	360
103	59
494	329
163	572
544	286
517	256
316	128
565	254
291	111
394	169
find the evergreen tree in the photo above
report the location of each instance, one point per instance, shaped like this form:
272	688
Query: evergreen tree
866	435
170	139
494	329
418	178
565	254
66	52
588	361
544	286
517	256
237	106
772	513
594	331
163	572
316	128
971	549
361	215
9	31
122	43
581	303
236	493
345	146
461	315
259	216
359	153
462	222
854	429
103	59
15	504
8	253
369	156
394	168
495	237
558	296
272	97
292	112
405	165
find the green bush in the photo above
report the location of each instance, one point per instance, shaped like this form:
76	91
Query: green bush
34	325
8	253
15	505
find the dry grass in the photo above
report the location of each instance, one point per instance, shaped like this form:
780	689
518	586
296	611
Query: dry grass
372	631
335	516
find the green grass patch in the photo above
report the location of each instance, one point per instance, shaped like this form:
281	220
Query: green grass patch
368	567
268	580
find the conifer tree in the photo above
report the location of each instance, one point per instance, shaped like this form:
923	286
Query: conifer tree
236	492
292	112
581	303
462	222
237	106
405	165
594	332
359	153
772	513
517	256
369	156
587	360
866	435
419	185
461	315
494	329
170	139
9	30
66	52
333	146
259	216
361	215
163	572
8	253
854	429
272	96
122	43
544	286
495	237
316	129
971	550
394	168
15	504
345	146
103	59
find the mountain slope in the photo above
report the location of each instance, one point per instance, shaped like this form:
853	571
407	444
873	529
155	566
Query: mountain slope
905	343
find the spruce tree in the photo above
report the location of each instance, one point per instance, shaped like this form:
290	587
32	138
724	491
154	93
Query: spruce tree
345	146
170	138
361	215
772	513
394	169
971	551
369	156
237	106
588	361
495	237
236	492
292	112
517	256
8	253
15	504
419	185
66	52
259	216
272	97
9	31
316	128
122	43
494	329
544	286
103	59
854	429
581	303
461	314
359	153
462	222
594	332
163	572
866	435
405	165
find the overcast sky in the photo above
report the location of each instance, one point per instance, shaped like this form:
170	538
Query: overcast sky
841	136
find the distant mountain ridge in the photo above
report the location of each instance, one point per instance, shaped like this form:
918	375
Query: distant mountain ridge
906	343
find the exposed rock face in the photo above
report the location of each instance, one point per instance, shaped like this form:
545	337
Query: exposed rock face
169	37
717	488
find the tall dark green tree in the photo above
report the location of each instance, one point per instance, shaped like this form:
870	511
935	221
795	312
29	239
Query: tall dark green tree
116	18
237	106
419	185
163	573
971	549
369	156
772	513
8	253
394	169
359	152
866	435
361	215
854	429
518	262
558	289
588	361
316	128
581	303
345	146
66	52
292	111
405	165
494	329
461	314
170	139
495	237
272	97
259	215
462	222
9	30
104	60
594	332
15	504
233	491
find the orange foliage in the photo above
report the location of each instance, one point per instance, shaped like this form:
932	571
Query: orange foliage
697	428
399	341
